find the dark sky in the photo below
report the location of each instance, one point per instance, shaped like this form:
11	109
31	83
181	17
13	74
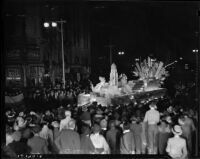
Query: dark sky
165	30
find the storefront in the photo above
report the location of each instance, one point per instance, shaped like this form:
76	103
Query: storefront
14	76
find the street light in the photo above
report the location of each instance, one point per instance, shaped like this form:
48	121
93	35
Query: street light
46	24
54	24
121	53
137	59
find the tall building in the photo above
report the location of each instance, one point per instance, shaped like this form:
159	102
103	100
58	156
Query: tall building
33	52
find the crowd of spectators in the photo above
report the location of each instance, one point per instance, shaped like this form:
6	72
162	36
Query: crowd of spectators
58	126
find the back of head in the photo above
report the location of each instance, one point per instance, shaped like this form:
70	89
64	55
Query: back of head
96	128
153	105
67	113
126	126
103	123
85	129
112	124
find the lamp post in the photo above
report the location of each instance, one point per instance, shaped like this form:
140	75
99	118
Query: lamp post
54	24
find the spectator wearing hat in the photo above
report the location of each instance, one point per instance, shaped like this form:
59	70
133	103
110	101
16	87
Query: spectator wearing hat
98	140
152	118
38	145
103	124
10	116
56	127
48	116
64	122
47	134
117	119
17	146
112	137
86	116
188	128
20	123
68	142
127	142
98	116
55	130
61	113
143	135
136	129
176	146
87	146
164	133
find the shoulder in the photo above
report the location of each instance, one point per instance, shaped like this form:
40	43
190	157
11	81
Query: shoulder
148	111
101	136
76	133
109	133
182	140
170	139
128	135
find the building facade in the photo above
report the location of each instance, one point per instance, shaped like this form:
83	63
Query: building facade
33	52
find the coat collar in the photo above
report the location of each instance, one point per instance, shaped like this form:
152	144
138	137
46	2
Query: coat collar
126	131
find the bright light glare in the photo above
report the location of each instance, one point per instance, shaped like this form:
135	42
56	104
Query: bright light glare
136	59
46	24
181	58
54	24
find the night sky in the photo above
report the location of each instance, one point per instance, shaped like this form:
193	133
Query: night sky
163	30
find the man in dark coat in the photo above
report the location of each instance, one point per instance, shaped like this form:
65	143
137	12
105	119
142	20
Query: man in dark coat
17	146
38	145
136	128
86	144
68	142
103	124
112	137
127	143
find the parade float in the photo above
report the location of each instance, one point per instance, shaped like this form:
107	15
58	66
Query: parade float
151	75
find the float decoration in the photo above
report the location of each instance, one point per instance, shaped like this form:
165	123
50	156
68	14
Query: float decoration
121	91
151	72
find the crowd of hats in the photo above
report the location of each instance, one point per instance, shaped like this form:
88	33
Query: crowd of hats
101	117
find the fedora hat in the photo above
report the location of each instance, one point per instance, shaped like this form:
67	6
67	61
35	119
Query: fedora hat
177	130
36	129
153	105
55	124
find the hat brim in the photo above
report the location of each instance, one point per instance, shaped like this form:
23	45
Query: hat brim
175	132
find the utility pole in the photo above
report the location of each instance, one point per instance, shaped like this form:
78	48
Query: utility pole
54	24
63	56
197	98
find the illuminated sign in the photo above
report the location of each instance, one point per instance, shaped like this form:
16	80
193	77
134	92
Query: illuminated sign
13	74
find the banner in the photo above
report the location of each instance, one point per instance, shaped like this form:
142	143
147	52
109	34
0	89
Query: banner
14	99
